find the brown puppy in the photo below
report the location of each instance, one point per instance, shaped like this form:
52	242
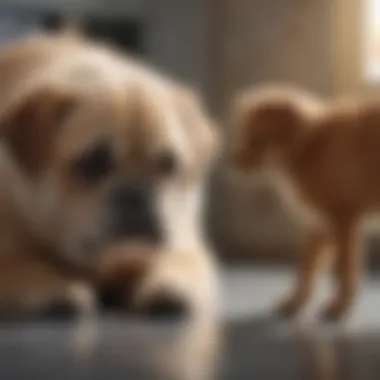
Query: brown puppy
324	159
97	150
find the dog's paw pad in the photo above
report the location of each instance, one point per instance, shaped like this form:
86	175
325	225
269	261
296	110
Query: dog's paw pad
334	313
288	309
165	307
115	296
78	300
60	309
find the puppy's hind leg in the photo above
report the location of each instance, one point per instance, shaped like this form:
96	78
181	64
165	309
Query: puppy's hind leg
316	245
31	288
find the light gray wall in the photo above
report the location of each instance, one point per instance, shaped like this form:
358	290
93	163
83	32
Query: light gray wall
267	41
176	38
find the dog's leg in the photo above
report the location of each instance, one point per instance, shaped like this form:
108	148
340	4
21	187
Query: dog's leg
118	273
316	244
30	288
347	271
180	283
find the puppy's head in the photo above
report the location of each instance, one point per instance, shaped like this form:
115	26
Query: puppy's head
269	122
125	163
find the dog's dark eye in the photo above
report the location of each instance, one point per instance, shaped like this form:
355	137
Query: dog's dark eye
96	163
166	163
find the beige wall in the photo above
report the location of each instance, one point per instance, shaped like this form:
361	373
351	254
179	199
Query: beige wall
349	37
261	41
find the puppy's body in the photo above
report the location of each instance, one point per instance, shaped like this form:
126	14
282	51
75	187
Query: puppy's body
325	160
98	150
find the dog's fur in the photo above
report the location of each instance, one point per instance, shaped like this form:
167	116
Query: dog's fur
324	156
60	97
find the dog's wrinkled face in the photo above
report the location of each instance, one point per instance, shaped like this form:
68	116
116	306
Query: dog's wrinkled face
125	165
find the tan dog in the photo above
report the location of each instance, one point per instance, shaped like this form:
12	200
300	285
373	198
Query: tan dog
97	151
325	161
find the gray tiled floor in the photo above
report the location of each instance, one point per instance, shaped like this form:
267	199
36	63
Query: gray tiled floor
253	346
249	292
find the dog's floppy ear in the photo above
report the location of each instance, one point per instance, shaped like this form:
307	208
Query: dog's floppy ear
280	113
202	129
28	125
281	118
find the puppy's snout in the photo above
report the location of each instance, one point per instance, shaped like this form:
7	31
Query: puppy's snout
133	214
131	197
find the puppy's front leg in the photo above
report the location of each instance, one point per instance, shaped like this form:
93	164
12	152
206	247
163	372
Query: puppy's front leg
348	266
316	244
180	283
31	287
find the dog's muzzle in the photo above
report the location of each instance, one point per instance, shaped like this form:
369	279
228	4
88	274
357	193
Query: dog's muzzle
132	212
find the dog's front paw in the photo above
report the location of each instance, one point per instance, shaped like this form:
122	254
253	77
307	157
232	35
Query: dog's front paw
164	306
77	300
290	307
179	284
71	299
336	311
164	295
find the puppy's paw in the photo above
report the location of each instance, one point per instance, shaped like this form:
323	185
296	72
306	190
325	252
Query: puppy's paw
59	309
164	297
179	284
164	306
119	275
78	300
336	311
290	307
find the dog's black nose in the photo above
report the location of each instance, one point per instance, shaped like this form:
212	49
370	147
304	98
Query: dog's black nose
131	196
132	210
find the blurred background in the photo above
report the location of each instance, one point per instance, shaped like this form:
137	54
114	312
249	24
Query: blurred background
222	46
330	47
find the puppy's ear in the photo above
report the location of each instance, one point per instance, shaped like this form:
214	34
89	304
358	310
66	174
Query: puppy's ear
29	124
282	119
202	129
280	114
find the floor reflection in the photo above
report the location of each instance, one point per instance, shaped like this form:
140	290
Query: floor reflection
109	348
258	348
290	351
